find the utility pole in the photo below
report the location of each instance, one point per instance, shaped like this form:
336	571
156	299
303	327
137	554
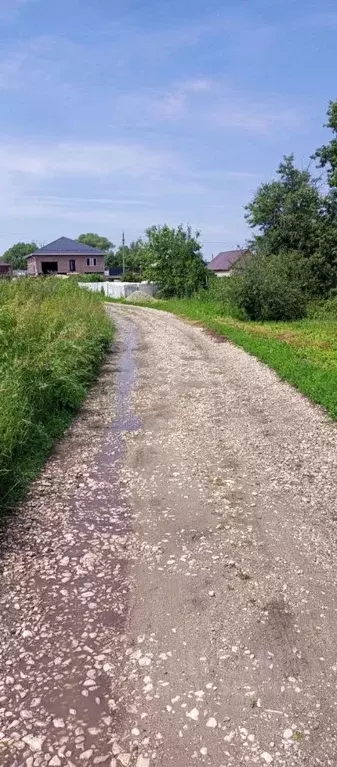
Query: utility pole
123	251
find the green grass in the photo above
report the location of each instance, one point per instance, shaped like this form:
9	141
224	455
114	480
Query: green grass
304	353
53	339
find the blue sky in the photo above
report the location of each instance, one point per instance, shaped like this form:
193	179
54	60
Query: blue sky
120	114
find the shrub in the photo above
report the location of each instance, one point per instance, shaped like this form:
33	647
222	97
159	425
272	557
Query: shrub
324	310
87	278
130	277
91	278
272	287
220	293
53	337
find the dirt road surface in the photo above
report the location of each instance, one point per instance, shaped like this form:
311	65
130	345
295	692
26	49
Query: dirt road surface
168	590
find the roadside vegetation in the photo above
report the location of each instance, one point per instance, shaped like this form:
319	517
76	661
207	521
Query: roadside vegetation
53	339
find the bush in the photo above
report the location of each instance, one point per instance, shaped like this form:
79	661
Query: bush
220	294
87	277
130	277
53	337
323	310
272	287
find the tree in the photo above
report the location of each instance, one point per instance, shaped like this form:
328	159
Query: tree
172	258
292	215
96	241
327	154
287	212
127	255
16	254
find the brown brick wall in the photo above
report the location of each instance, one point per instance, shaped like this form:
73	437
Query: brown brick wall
5	270
34	264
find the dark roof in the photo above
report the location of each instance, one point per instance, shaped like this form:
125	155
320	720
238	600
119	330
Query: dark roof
224	261
115	271
65	246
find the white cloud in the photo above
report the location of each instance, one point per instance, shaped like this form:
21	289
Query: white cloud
166	103
211	105
255	117
40	62
82	159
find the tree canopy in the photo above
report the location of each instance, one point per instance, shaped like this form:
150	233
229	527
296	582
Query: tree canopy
96	241
287	212
172	258
327	154
16	254
129	255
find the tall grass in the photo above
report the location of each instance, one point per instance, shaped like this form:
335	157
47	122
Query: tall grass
53	338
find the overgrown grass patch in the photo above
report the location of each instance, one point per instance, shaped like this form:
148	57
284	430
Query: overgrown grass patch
53	339
304	352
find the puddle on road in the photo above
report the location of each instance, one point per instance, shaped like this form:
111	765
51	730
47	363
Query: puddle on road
105	471
125	420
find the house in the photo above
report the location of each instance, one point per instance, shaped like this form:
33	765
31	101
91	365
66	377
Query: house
65	256
222	264
5	269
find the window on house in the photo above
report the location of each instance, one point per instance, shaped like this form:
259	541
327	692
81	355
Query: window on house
91	261
72	265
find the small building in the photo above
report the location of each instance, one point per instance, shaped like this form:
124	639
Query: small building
5	269
114	272
117	273
65	256
222	264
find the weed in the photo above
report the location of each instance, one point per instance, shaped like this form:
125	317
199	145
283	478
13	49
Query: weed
297	736
53	338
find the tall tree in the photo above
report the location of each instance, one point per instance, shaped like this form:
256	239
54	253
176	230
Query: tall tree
96	241
16	254
327	159
173	259
327	154
287	212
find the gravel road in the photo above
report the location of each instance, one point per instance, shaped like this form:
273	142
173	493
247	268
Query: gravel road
168	591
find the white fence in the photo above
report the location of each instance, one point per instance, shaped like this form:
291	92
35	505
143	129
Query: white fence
119	289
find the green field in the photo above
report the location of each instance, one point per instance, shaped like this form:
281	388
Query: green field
304	353
53	339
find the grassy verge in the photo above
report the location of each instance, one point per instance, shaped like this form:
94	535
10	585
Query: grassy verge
53	338
304	353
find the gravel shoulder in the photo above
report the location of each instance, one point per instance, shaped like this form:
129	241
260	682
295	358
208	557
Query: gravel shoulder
168	589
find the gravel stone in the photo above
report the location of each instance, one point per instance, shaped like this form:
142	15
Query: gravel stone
108	566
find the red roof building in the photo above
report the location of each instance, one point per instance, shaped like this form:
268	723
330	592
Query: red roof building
222	264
